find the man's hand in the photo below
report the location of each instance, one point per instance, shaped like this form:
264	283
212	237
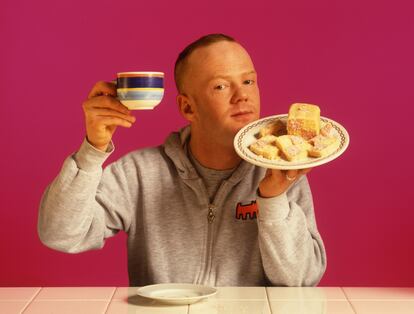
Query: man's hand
103	113
277	182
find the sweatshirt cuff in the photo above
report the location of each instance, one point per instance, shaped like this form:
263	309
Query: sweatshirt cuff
273	208
89	158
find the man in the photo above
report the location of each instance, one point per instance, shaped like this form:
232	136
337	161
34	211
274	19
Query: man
193	210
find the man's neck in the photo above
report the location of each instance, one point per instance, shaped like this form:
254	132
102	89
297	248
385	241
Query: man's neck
213	155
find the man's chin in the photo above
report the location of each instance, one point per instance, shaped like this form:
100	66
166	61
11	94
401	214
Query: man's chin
241	122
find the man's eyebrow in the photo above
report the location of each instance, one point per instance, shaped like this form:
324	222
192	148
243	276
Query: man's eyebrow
229	76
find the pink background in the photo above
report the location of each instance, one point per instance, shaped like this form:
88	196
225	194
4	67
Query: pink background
352	58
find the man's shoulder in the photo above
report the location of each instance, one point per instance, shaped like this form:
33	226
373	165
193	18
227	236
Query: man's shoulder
148	155
166	156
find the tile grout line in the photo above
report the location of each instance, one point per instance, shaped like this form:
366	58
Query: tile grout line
268	301
110	300
349	301
31	300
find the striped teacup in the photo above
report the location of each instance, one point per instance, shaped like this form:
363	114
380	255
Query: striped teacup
140	90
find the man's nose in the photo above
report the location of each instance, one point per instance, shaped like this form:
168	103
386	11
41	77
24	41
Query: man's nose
240	95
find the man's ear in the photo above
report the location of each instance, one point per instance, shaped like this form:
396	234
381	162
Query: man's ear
185	106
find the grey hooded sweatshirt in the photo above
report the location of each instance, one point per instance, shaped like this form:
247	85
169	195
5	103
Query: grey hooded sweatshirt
175	234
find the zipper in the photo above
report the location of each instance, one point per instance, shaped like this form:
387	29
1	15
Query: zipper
211	215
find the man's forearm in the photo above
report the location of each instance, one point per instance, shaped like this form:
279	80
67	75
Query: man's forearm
292	250
69	212
291	259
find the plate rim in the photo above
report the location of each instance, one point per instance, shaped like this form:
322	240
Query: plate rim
308	163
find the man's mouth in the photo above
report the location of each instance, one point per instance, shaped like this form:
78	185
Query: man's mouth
241	114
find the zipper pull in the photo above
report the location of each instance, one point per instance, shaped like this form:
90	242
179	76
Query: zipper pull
210	215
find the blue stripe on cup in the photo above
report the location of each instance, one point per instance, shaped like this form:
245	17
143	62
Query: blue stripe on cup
134	82
142	95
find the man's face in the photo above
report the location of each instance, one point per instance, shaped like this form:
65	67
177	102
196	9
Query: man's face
221	83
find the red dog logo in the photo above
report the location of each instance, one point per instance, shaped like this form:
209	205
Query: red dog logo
249	209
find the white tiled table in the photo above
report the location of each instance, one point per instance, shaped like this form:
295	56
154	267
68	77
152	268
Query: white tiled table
228	300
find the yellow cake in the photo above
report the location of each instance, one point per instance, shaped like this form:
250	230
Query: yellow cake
294	148
303	120
303	135
328	130
266	147
275	128
325	143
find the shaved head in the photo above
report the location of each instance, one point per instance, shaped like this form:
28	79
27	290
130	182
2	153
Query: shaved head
181	64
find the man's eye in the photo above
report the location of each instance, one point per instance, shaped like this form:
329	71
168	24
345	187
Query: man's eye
220	87
249	82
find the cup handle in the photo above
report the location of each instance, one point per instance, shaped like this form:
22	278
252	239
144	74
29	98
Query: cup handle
115	82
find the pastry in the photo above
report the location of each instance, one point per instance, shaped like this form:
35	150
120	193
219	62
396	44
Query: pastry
275	128
328	130
266	147
293	148
304	135
303	120
325	143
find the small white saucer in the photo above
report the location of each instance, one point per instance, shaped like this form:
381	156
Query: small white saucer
176	293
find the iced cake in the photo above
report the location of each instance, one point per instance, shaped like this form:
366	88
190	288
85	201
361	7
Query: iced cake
303	120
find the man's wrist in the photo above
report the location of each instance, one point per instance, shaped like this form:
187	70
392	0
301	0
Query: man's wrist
89	158
102	148
264	194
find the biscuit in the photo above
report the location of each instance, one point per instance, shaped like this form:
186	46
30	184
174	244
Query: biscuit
266	147
323	145
293	148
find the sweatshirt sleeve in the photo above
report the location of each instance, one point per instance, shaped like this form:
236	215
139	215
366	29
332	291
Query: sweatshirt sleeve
76	213
291	247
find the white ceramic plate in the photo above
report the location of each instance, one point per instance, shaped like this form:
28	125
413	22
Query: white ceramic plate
247	136
176	293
